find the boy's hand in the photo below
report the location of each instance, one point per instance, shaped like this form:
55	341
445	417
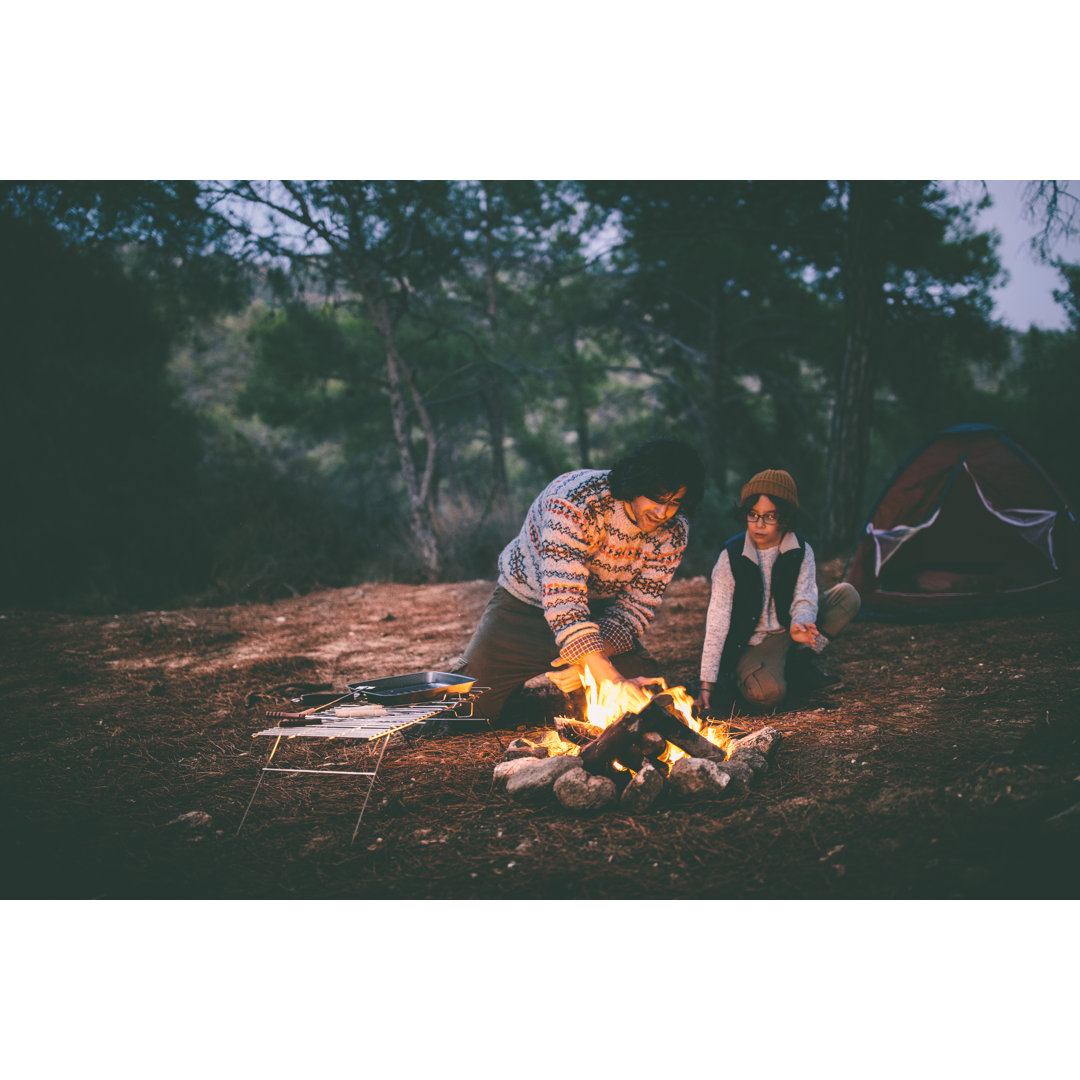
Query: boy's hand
804	633
701	702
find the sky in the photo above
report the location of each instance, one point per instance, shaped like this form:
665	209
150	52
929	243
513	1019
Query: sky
1028	298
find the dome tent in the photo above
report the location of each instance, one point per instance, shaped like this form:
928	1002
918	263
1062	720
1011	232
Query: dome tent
969	521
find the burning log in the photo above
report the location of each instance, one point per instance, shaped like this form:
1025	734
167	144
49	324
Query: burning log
661	716
614	743
578	732
653	744
625	740
521	748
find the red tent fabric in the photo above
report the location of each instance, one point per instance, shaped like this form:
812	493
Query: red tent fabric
969	521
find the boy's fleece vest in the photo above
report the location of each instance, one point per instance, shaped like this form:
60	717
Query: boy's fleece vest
750	594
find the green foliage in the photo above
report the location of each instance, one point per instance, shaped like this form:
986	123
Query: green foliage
98	465
157	230
543	326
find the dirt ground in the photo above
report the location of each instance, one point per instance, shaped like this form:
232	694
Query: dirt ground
939	770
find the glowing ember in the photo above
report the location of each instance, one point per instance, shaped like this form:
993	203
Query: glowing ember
557	745
609	702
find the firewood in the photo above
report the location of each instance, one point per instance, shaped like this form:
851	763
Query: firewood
614	743
625	740
659	716
652	744
520	748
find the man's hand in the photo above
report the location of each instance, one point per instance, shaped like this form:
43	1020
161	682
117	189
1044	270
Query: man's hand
569	677
566	676
804	633
648	680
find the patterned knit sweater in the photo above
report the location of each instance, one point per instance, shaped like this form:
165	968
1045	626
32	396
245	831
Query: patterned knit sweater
578	544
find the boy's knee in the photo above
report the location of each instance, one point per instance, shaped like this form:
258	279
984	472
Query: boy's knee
761	687
839	606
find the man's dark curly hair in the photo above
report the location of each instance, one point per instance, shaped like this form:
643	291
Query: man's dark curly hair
657	469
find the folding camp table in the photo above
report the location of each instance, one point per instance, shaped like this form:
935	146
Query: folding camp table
364	724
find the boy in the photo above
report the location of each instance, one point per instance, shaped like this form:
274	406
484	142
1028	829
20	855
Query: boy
764	599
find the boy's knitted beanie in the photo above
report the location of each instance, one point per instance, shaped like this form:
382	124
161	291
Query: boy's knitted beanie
772	482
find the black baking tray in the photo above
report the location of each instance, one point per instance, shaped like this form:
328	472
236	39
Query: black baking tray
416	686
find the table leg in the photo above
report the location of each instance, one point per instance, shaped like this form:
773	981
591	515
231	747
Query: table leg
262	773
371	783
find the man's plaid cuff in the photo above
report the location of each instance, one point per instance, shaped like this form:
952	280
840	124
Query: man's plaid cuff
581	646
618	638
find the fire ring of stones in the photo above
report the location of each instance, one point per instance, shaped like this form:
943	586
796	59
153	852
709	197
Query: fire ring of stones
591	779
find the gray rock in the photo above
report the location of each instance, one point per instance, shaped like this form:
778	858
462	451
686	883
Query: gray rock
740	774
578	790
764	741
699	778
533	783
505	769
693	777
642	791
749	756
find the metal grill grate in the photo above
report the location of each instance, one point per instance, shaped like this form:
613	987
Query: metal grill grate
373	721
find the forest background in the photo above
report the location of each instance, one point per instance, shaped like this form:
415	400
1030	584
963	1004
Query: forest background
223	392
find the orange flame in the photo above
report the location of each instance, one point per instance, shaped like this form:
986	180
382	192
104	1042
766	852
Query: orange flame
609	702
717	734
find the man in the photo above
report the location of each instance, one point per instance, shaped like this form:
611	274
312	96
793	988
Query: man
583	579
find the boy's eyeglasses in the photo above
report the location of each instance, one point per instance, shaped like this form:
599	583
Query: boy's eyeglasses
769	517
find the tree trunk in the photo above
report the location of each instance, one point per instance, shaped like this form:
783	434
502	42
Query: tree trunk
582	427
579	404
849	436
493	391
715	360
399	377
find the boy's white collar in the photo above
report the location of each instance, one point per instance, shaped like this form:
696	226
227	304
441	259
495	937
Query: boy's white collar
787	543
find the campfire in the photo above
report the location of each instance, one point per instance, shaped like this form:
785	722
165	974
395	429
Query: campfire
624	724
631	742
